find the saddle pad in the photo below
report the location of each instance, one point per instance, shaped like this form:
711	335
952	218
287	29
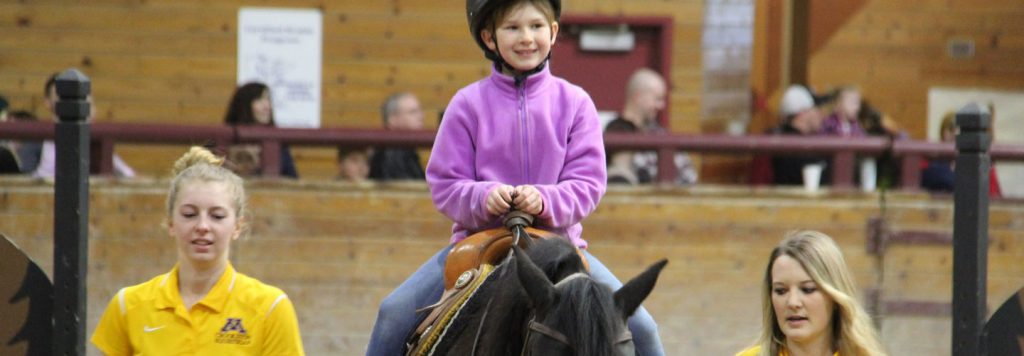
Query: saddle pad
437	331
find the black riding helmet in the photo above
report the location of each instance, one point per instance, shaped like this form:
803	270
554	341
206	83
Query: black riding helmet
477	13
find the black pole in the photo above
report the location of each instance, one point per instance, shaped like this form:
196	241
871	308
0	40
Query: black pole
970	230
71	213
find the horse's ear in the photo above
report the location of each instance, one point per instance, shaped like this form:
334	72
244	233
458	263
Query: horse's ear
537	286
629	297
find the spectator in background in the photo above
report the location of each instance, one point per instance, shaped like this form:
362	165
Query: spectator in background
800	117
3	118
994	189
844	118
938	175
28	151
4	107
251	105
47	163
8	160
877	123
646	93
400	111
620	162
353	164
8	152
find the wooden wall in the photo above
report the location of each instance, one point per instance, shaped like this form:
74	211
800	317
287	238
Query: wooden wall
896	50
338	249
174	61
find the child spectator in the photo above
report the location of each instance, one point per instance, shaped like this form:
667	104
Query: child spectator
844	118
353	164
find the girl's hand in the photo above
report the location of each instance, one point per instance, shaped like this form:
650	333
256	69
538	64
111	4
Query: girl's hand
499	200
528	200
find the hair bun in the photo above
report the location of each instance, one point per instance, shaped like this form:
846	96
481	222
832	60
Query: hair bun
195	156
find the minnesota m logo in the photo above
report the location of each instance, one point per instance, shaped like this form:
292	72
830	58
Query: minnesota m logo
233	324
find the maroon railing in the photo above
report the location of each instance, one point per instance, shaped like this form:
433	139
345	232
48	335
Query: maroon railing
843	151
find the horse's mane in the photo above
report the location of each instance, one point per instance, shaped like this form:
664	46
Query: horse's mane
504	304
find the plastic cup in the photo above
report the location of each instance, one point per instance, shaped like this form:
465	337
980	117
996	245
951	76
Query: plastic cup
812	176
868	174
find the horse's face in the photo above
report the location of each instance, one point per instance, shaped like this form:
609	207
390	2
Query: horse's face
577	315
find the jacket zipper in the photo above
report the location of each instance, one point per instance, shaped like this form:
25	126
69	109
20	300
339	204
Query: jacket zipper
525	153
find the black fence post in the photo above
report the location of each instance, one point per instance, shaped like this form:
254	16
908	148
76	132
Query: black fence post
71	213
970	230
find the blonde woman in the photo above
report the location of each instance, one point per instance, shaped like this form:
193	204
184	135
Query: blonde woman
202	306
809	303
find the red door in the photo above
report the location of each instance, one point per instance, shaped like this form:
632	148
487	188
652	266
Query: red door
603	74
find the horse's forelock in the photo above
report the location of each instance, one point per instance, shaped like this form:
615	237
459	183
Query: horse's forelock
586	315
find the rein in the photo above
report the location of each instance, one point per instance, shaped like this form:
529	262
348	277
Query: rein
516	222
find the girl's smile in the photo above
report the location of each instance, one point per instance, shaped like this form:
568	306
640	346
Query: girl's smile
523	38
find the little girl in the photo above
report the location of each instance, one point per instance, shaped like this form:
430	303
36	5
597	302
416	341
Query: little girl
519	139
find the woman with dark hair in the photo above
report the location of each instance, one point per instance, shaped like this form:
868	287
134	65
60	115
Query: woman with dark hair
251	105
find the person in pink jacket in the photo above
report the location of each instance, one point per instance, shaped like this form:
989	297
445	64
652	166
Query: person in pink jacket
520	139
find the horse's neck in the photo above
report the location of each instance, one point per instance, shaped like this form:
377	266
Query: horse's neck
500	318
509	310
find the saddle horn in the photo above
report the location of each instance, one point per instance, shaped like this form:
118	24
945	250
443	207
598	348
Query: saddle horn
517	221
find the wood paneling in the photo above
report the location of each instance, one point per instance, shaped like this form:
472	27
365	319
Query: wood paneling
324	242
896	50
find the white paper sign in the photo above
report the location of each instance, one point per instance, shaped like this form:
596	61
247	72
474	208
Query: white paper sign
283	49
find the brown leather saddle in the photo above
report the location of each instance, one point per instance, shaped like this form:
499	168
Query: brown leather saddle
469	264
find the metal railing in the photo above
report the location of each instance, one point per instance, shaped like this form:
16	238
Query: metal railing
843	151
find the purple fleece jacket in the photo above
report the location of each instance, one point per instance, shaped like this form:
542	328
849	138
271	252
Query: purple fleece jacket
544	132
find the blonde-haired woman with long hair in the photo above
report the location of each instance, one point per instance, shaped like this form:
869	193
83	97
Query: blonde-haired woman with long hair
809	303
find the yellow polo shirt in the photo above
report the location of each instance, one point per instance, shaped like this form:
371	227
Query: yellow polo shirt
239	316
753	351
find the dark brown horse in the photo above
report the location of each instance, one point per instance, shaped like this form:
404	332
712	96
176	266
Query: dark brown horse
543	302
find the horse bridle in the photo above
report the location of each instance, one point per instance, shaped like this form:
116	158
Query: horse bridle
534	326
